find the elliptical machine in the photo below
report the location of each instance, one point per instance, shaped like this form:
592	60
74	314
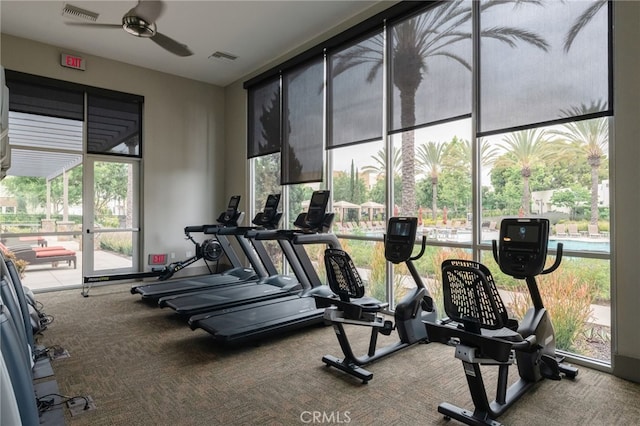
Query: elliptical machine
478	324
351	307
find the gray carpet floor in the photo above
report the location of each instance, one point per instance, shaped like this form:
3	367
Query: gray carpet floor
143	366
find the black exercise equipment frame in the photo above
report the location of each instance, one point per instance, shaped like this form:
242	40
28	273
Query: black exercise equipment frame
529	344
352	307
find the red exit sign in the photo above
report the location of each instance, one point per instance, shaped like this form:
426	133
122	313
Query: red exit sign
72	61
158	259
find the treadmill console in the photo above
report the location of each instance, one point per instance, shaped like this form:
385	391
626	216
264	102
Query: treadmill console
230	216
269	216
400	238
317	209
522	247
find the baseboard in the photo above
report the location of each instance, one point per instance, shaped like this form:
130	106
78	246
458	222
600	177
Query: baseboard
626	368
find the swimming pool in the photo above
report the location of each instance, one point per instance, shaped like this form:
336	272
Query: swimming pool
581	245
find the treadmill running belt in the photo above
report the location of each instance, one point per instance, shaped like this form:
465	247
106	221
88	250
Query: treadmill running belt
207	301
168	288
262	320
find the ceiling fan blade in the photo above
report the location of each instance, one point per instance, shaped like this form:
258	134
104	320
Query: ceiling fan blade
148	10
171	45
86	24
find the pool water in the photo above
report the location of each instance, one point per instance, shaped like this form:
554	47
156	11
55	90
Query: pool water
581	245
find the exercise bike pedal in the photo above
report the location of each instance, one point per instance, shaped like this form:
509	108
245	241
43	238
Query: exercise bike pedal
387	328
549	367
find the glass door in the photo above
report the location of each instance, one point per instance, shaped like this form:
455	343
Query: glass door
111	219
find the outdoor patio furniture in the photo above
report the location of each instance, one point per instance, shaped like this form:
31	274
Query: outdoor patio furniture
593	231
42	255
42	242
561	230
573	230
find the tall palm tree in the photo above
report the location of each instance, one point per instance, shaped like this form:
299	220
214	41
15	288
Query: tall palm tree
589	138
430	158
416	41
525	149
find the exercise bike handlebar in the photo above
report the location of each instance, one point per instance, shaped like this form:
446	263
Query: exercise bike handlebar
556	263
422	249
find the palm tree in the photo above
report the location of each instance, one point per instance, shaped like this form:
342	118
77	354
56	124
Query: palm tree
459	153
380	162
589	138
415	42
581	22
524	149
429	158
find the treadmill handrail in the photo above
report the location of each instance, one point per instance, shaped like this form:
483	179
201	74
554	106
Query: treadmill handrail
329	239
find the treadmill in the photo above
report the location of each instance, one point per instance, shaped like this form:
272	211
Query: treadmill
266	288
266	318
237	274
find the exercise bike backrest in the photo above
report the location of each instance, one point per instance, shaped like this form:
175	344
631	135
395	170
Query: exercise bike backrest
521	250
400	239
269	217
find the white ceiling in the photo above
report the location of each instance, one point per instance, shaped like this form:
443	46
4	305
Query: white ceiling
254	31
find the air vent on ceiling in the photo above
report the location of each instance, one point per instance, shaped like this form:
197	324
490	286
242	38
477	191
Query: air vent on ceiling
223	55
79	13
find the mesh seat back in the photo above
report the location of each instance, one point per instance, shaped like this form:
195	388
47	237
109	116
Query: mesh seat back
342	275
470	294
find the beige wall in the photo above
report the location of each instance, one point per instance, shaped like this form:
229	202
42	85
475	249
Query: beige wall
183	134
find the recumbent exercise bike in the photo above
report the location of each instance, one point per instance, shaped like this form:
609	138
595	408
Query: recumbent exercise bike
351	307
483	334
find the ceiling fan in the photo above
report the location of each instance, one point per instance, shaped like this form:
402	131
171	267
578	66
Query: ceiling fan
141	22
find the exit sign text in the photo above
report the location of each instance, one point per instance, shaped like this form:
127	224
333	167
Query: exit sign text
158	259
72	61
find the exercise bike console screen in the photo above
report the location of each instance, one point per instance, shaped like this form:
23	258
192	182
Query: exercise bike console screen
317	208
400	238
523	246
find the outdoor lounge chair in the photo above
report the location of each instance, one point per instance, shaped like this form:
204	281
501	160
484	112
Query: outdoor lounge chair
41	255
42	242
593	231
573	230
561	230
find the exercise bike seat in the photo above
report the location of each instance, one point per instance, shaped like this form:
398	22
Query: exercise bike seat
345	281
